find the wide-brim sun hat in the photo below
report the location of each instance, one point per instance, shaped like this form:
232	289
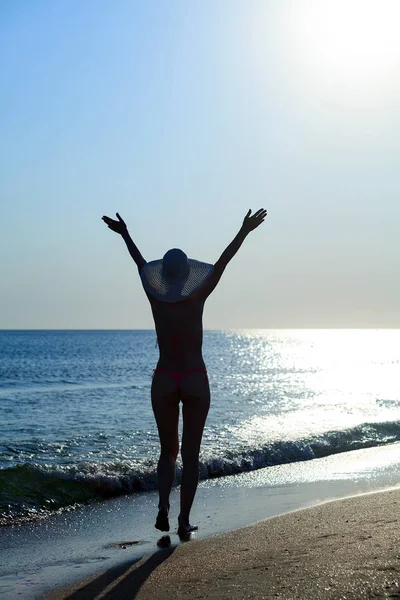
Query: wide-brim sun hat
175	277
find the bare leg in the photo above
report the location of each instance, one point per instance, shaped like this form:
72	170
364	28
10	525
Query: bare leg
165	403
195	396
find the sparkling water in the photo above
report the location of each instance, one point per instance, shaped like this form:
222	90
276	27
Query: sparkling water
76	421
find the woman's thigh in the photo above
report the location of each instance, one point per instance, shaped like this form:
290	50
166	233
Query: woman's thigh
165	403
195	396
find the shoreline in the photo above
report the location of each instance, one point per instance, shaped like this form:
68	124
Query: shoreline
346	548
109	537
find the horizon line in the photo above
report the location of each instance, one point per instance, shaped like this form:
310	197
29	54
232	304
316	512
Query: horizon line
322	328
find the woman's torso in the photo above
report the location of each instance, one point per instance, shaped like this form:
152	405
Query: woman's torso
179	328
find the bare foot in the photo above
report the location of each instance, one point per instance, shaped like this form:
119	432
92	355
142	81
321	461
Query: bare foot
184	530
162	522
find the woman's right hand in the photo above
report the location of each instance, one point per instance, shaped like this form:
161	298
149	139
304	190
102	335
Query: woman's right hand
117	226
252	222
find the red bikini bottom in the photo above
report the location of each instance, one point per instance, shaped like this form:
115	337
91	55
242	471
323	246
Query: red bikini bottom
177	376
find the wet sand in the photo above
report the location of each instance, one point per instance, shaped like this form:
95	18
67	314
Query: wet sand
347	549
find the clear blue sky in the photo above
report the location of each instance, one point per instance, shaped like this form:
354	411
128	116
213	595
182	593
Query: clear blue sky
181	116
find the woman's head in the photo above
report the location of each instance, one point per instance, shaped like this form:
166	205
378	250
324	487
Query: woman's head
175	277
175	265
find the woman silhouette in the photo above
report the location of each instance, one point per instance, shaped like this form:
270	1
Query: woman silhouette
177	288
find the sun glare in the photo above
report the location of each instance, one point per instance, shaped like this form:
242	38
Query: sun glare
345	44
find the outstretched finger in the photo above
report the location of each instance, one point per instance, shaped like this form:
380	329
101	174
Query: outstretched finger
120	218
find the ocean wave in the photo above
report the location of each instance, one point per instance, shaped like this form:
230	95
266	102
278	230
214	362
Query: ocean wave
45	386
31	491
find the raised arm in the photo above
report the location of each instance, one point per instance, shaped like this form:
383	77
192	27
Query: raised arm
121	228
250	222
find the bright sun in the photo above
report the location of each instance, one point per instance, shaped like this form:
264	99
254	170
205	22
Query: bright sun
347	44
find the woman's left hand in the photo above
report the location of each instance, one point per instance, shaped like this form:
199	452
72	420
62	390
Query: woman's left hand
117	226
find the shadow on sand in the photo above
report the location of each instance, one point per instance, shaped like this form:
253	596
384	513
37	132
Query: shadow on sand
129	578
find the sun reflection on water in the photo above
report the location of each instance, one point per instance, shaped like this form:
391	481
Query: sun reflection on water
311	381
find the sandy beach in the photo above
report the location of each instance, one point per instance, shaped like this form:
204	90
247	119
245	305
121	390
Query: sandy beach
109	549
346	549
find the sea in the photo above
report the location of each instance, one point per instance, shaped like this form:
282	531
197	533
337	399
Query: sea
76	424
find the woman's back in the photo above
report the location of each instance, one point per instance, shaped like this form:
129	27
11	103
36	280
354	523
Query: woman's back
179	331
